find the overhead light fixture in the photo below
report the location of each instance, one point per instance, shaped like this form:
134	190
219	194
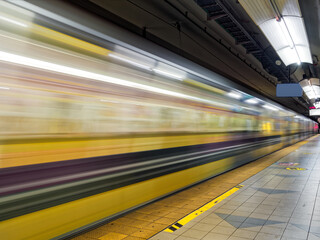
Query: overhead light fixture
311	87
282	23
234	94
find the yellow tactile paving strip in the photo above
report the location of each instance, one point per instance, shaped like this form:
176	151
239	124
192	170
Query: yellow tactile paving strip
201	210
153	218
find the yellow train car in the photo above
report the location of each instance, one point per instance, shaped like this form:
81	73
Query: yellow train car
91	129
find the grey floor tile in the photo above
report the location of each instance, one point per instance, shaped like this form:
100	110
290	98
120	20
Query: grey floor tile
246	209
315	223
228	207
303	227
224	211
223	230
250	227
277	224
234	224
256	221
241	213
263	211
180	231
274	204
315	229
163	236
315	217
215	236
299	221
203	227
272	230
292	238
259	215
278	218
294	233
236	218
282	213
312	236
250	205
184	238
210	221
193	233
237	238
244	234
190	224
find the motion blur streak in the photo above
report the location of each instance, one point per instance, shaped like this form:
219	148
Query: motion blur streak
91	129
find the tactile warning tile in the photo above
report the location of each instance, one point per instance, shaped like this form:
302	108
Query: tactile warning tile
97	233
119	228
143	233
165	212
133	238
113	236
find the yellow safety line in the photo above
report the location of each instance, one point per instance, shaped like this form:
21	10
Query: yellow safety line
201	210
296	169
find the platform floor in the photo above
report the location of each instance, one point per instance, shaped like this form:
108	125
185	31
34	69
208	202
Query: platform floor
280	202
272	203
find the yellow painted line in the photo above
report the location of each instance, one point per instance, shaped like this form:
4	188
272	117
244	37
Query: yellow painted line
201	210
296	169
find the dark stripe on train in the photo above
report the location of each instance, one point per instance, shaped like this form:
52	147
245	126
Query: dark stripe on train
151	166
25	176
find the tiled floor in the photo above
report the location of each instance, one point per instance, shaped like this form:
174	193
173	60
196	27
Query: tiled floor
276	203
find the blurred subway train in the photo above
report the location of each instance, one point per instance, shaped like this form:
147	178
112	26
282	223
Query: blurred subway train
92	127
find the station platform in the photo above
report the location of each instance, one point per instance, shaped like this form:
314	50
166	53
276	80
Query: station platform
275	197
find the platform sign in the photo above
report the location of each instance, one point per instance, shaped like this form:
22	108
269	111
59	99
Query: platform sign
289	90
287	164
296	169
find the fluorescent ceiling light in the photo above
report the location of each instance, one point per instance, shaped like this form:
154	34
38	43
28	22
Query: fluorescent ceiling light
13	21
282	23
132	62
235	95
251	101
285	33
311	87
167	74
